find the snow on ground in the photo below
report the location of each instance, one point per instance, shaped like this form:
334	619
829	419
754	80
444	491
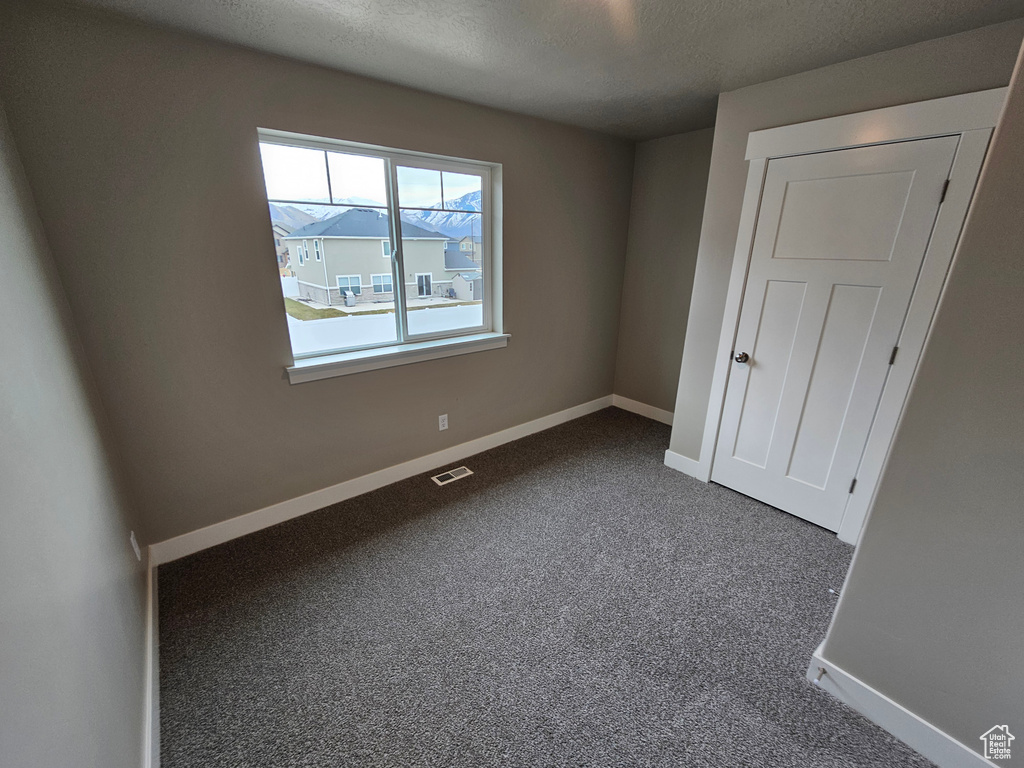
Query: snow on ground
359	330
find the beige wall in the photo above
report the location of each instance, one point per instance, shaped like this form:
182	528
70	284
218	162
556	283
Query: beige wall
669	183
958	64
72	618
139	142
932	613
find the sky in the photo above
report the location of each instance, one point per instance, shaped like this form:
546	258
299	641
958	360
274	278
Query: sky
298	173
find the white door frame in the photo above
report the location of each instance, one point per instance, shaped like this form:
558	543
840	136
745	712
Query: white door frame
973	117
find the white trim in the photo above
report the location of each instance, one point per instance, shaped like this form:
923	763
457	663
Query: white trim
919	120
936	745
730	318
916	329
972	116
361	360
642	409
385	246
349	286
389	276
430	279
151	716
211	536
317	251
684	464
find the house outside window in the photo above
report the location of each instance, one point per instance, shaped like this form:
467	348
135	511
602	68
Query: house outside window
358	203
350	283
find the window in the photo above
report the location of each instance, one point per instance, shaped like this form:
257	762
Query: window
415	206
298	251
350	283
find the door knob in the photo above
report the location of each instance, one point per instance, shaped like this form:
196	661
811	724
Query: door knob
742	357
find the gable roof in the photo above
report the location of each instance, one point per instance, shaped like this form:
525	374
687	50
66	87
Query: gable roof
455	260
362	222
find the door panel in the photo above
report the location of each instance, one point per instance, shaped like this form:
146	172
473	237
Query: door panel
838	243
849	217
840	352
780	313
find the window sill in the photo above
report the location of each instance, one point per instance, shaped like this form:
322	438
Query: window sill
345	363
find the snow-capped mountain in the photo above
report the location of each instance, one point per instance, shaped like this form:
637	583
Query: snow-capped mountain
447	222
289	216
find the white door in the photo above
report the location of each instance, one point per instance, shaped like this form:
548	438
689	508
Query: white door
839	240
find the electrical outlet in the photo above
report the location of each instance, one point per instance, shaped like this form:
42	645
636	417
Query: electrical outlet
442	422
135	546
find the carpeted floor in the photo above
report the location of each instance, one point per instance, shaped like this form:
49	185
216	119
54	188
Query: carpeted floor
572	603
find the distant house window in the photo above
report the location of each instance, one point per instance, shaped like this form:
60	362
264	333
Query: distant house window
350	283
277	241
416	206
423	280
381	283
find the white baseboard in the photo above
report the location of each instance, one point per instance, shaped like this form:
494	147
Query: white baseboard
151	734
686	465
211	536
642	409
938	746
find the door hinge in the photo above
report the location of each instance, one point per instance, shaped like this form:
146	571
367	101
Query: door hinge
892	357
853	485
945	188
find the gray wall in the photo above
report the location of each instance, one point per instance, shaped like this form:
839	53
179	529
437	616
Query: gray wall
669	183
72	603
958	64
932	614
151	135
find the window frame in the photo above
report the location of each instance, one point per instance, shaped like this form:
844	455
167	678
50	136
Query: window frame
358	286
317	250
430	282
488	334
391	280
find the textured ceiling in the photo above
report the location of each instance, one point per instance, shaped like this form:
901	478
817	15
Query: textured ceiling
635	68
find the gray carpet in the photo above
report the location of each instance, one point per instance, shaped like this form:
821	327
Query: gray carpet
573	603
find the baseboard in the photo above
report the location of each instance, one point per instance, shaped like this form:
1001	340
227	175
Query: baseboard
938	746
211	536
642	409
686	465
151	734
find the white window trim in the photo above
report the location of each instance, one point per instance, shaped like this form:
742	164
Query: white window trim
317	251
390	279
429	275
413	348
358	278
359	361
385	247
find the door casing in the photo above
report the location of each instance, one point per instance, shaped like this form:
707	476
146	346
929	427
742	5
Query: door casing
972	117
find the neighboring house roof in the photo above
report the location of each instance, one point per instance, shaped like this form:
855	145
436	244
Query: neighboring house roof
361	222
454	260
